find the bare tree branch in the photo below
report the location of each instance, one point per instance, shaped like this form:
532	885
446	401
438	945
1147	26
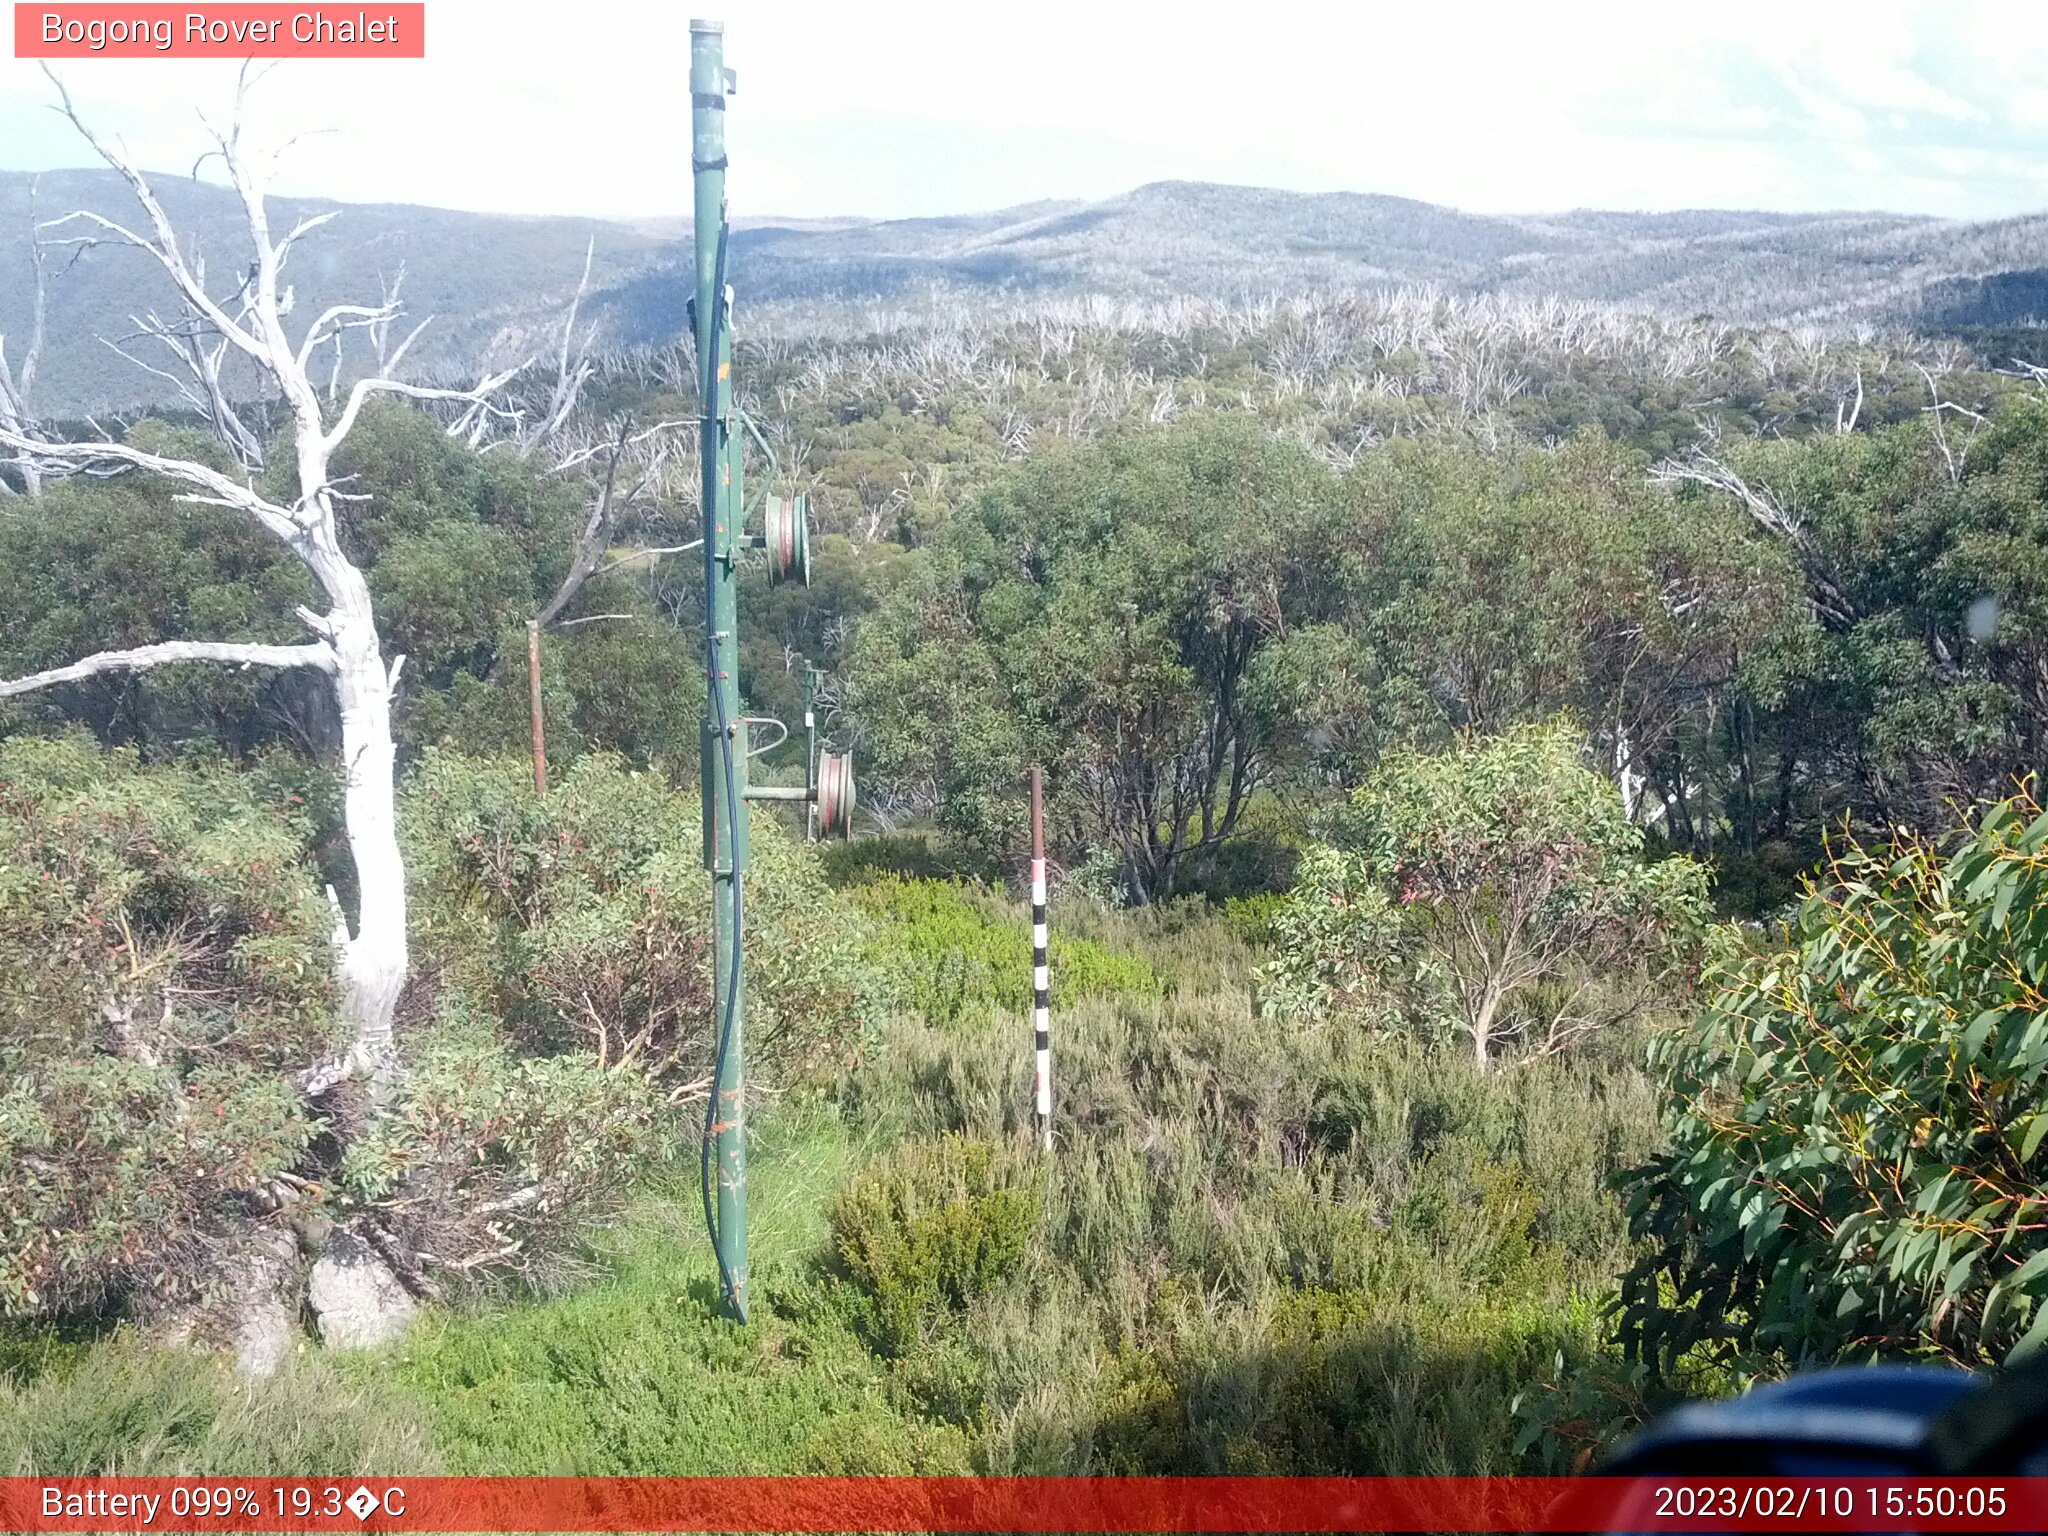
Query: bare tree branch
478	398
1953	457
572	367
652	447
1770	513
164	247
220	490
592	542
315	654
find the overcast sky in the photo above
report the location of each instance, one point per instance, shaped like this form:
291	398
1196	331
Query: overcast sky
901	107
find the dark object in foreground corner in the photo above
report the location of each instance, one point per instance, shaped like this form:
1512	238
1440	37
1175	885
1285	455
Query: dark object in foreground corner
1876	1422
1867	1421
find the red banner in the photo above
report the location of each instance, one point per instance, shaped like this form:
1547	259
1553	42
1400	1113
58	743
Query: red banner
241	31
963	1504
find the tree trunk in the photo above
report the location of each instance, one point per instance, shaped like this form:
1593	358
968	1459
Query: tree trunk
1482	1023
375	960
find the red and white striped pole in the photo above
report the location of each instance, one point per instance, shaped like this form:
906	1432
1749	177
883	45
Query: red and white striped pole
1041	975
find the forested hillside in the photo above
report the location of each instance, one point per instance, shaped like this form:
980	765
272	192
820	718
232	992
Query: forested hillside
1538	795
495	284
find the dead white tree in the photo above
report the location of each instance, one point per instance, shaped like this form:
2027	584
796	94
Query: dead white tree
1776	517
16	384
1954	455
639	478
345	647
573	367
1847	413
648	461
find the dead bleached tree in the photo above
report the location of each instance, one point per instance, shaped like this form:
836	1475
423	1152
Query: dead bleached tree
638	475
1776	516
248	322
630	472
1953	453
17	383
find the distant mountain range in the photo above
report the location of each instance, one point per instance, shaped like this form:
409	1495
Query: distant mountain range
497	284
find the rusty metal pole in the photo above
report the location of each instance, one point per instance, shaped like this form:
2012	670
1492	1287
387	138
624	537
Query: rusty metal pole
1041	975
540	730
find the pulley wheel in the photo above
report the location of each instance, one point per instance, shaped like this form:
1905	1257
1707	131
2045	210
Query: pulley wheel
788	538
835	795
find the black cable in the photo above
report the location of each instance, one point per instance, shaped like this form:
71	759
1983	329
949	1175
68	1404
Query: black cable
709	390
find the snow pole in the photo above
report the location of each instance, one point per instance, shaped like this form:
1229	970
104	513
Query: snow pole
1041	972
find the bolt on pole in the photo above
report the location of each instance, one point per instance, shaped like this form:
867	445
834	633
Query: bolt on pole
1041	971
724	738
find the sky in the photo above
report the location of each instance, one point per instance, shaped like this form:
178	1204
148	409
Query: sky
901	108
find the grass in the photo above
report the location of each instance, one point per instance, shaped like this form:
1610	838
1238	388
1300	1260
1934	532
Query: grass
1275	1250
636	1375
1255	1249
121	1408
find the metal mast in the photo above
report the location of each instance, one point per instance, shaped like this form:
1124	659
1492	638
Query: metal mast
725	823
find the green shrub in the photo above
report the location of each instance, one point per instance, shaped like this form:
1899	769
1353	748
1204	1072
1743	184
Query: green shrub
563	1012
584	920
1859	1122
912	855
165	967
1212	1167
1189	944
1338	1382
1499	884
958	955
928	1228
498	1164
1254	919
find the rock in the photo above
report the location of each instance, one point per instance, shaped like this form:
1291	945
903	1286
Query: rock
264	1332
262	1319
356	1300
313	1230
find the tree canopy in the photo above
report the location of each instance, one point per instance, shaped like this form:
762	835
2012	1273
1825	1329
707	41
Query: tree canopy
1498	884
1101	610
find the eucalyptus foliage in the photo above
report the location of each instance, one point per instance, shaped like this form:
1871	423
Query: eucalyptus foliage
1499	883
1859	1121
1099	609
